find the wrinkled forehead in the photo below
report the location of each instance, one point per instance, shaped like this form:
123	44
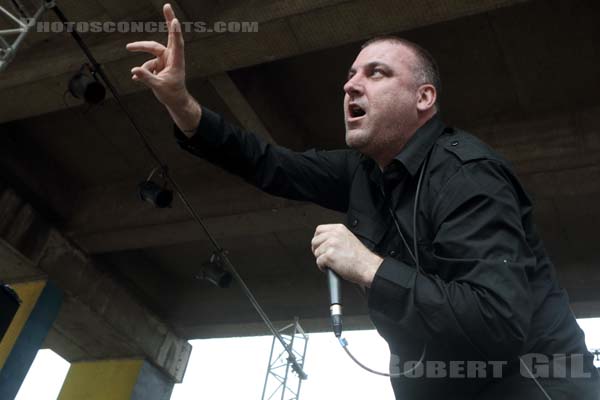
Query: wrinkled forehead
391	53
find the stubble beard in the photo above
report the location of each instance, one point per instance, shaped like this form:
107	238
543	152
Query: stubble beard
389	141
358	139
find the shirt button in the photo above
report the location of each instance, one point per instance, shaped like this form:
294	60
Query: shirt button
354	222
392	253
454	143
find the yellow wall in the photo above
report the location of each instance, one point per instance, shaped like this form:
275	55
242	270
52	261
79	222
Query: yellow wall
101	380
29	293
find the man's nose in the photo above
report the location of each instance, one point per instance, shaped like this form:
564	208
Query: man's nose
353	86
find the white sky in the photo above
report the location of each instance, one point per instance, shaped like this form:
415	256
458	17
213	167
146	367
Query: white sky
235	368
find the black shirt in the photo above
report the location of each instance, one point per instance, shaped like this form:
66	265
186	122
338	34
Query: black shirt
485	290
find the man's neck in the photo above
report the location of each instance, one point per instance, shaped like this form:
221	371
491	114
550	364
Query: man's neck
389	152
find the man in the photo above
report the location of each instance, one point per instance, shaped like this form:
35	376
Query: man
439	229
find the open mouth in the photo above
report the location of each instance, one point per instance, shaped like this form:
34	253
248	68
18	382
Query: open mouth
355	112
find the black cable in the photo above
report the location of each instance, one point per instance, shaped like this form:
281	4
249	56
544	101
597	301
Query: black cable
415	256
402	235
344	344
153	153
20	9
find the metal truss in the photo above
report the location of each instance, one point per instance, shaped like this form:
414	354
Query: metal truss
24	22
279	382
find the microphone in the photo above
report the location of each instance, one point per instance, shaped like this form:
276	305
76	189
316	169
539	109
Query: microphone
335	302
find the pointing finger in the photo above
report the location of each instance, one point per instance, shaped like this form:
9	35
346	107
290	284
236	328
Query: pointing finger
168	13
169	17
176	42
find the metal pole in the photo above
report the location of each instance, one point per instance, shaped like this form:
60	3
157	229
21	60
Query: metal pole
268	368
303	354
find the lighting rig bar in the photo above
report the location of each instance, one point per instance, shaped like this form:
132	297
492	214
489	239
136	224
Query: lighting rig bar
8	44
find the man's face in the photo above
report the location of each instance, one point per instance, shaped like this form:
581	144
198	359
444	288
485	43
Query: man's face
380	101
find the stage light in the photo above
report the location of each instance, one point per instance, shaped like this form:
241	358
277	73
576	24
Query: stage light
155	194
214	273
84	85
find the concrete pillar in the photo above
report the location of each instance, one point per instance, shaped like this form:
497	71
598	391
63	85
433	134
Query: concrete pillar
99	318
121	379
41	302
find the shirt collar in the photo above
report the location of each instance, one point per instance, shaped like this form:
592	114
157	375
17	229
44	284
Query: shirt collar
414	152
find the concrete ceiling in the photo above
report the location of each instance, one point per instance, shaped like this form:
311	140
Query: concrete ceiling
521	75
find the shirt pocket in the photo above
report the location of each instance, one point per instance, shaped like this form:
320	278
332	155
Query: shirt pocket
368	229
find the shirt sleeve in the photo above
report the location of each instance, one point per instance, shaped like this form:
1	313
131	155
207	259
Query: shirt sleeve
485	305
321	177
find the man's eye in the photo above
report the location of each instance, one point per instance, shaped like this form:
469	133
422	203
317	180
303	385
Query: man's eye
377	73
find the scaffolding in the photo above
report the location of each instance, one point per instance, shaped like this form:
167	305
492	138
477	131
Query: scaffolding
281	379
23	21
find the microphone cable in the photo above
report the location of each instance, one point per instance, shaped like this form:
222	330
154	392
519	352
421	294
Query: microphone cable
414	254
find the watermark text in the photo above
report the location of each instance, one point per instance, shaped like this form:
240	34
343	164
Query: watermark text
144	26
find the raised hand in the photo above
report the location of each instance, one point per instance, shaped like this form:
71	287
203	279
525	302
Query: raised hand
164	74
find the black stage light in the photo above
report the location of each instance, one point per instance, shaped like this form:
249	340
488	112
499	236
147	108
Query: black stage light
215	275
84	85
214	272
155	194
9	304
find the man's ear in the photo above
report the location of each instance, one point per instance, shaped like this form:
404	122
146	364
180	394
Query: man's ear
427	96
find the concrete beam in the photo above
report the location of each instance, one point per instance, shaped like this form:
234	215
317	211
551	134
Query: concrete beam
209	331
109	301
285	30
227	226
587	309
238	105
14	266
302	292
106	319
